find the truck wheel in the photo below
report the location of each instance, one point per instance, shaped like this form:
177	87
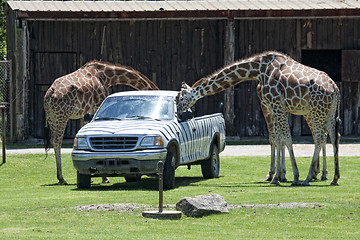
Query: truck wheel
210	167
83	180
169	171
133	179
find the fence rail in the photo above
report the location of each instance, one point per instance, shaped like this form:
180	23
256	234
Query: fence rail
5	79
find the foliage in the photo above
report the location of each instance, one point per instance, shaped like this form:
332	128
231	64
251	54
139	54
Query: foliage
33	206
2	30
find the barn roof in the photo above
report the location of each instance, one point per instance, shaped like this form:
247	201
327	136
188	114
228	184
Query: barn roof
184	9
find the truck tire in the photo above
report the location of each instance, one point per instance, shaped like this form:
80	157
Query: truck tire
83	180
169	172
210	167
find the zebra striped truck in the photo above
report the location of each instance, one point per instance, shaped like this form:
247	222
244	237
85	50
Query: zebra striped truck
132	131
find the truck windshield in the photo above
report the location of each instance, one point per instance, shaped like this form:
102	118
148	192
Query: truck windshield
136	107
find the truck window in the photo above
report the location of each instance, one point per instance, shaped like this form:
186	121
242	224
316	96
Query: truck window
136	107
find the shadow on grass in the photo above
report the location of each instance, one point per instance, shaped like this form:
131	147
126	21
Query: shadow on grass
152	184
147	184
56	184
266	184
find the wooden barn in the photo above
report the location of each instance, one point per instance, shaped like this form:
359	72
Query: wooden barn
175	41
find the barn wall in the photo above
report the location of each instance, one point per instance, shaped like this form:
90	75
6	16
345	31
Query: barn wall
17	48
252	37
343	35
168	52
172	51
11	54
293	37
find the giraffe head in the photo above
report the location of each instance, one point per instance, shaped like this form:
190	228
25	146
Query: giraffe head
185	99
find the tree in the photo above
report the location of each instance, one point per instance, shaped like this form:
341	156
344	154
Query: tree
2	30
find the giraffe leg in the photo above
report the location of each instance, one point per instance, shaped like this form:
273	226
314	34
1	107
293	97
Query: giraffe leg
57	150
285	136
276	179
57	129
296	181
316	169
313	164
269	122
56	139
333	130
336	161
270	175
309	121
324	171
283	168
105	179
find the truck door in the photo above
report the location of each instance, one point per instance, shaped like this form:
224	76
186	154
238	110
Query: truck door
187	140
203	129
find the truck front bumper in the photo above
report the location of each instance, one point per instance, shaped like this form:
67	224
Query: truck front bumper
142	162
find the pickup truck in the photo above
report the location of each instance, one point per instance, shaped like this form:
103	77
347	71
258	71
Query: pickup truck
132	131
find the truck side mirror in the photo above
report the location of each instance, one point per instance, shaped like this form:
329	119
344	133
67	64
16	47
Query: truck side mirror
186	116
221	107
88	117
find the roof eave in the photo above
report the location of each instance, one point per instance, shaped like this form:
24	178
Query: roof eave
220	14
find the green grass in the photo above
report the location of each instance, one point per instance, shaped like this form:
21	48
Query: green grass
33	206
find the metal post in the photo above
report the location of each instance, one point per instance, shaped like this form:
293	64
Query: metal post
3	137
161	214
161	185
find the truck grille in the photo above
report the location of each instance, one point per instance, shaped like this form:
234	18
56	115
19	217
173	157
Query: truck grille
113	143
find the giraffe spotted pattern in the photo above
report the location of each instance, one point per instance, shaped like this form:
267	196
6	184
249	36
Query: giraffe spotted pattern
81	92
285	86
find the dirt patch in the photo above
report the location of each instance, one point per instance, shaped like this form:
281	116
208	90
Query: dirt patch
119	207
131	207
278	205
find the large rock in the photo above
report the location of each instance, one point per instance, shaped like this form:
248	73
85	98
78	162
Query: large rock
202	205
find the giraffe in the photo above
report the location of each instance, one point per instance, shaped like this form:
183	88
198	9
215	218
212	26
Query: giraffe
80	92
268	120
285	86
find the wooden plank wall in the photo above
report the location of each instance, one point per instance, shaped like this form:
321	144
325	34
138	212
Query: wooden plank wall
168	52
256	36
292	36
172	51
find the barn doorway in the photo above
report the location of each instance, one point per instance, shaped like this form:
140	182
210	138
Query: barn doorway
328	61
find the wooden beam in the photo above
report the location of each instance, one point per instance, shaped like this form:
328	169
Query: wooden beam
229	55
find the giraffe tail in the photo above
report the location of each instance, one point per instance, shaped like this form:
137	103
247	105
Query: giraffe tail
47	142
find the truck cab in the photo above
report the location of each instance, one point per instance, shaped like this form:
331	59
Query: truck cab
132	131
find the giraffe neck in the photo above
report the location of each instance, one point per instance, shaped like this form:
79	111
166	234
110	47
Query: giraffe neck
113	74
245	70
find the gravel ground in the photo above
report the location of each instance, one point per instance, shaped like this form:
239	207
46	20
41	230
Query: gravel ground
133	207
300	150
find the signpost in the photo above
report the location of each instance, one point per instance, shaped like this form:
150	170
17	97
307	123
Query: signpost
161	214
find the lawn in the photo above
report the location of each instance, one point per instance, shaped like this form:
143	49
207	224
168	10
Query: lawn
33	206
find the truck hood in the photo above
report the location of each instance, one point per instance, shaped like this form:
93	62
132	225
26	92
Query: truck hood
124	127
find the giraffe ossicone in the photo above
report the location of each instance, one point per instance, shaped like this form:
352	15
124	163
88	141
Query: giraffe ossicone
80	92
285	86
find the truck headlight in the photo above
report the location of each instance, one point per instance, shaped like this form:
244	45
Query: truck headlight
80	143
152	141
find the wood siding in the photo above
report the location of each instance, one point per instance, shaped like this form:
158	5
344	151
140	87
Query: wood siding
292	36
172	51
168	52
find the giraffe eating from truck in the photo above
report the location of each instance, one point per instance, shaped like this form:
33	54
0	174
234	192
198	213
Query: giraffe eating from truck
285	86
